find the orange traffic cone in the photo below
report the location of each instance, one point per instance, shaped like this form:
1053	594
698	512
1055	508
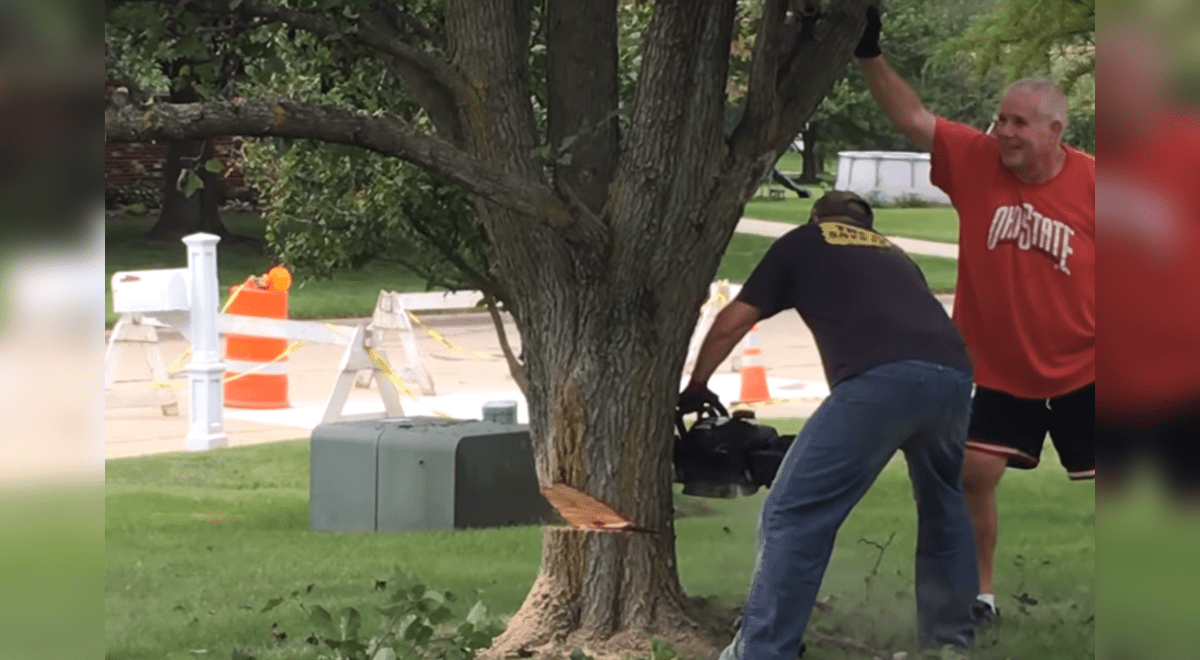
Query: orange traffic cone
754	374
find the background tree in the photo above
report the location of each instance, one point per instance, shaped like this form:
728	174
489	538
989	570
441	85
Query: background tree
915	35
604	228
181	61
1055	38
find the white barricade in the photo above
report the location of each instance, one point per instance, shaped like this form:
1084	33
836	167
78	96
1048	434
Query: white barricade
391	315
187	300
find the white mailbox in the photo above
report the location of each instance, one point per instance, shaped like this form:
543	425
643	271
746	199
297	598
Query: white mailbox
150	291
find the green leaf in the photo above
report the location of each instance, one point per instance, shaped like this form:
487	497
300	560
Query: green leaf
385	653
477	614
422	635
353	623
271	604
189	183
320	618
440	616
214	165
418	633
661	650
417	591
394	611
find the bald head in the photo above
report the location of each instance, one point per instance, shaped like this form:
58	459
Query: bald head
1052	103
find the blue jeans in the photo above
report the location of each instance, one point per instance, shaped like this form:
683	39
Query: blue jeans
914	406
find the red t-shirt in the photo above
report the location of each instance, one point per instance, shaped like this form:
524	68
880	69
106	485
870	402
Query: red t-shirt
1026	295
1149	226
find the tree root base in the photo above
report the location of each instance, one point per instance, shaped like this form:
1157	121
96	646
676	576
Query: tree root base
697	631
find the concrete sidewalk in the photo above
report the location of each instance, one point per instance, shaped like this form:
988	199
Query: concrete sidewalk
462	384
911	245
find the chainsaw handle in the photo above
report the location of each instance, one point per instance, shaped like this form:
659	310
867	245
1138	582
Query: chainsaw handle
714	410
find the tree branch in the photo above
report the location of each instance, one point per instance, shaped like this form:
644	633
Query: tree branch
369	32
382	133
809	59
427	77
514	365
761	111
484	283
582	95
438	100
676	129
401	16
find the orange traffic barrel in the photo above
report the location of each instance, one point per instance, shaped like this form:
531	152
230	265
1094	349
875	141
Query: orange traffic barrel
254	377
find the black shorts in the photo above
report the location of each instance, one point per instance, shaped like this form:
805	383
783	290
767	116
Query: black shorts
1016	428
1171	443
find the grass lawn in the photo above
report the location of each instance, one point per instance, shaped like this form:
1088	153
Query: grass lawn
931	224
745	250
1149	575
198	544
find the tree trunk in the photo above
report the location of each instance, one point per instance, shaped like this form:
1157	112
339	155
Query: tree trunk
182	215
812	167
604	365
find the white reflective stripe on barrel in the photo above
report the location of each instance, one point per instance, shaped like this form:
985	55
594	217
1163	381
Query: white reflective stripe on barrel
241	367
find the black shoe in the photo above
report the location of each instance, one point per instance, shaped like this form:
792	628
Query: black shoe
983	613
803	648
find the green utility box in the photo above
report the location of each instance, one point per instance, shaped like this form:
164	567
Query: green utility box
422	473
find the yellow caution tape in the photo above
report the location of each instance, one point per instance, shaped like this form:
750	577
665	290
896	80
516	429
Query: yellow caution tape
288	351
387	370
175	366
718	299
437	336
178	387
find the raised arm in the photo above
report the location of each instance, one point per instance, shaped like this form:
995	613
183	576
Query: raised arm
897	100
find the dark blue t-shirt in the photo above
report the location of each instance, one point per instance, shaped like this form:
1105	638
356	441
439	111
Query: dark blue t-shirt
866	302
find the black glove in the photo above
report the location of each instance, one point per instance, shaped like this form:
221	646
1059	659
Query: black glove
868	45
694	397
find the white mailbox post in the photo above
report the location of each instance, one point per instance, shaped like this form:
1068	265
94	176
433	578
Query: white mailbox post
206	371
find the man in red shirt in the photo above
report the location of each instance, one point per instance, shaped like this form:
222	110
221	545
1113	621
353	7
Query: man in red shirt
1025	300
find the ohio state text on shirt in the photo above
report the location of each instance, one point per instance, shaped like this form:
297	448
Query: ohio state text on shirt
1025	300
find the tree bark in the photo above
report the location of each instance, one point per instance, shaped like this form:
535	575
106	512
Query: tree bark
811	165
